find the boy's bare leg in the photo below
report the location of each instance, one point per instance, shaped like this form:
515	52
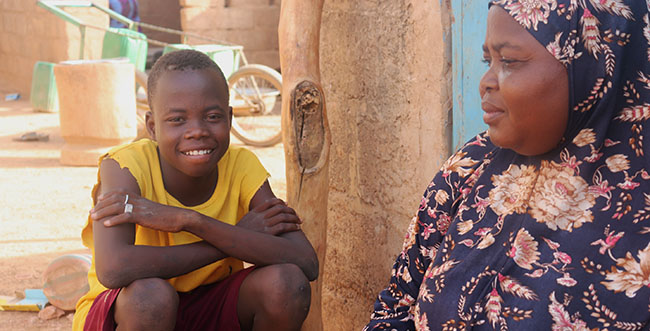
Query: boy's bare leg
274	297
146	304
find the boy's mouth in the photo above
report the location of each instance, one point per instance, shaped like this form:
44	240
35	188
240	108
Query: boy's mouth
198	152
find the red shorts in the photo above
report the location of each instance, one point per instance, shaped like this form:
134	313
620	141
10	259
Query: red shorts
208	307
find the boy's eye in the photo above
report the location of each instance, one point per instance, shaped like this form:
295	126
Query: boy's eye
214	116
175	119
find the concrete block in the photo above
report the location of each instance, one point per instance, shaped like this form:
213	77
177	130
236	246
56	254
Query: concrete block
90	16
234	19
27	48
266	17
203	3
4	43
269	58
56	27
20	28
165	13
204	33
13	43
14	5
198	18
61	50
22	69
96	108
35	27
9	20
254	3
254	40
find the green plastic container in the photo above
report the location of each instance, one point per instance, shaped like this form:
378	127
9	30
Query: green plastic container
226	57
118	42
43	96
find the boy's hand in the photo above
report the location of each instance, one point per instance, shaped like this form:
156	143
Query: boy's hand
112	210
272	217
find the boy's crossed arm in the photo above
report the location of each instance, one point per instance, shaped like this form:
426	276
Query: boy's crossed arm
264	236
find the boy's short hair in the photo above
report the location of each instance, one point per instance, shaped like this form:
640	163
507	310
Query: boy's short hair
187	59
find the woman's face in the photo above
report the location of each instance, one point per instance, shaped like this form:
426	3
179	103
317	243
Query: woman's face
524	92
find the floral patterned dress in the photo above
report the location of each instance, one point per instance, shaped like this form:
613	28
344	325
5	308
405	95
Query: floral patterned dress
554	242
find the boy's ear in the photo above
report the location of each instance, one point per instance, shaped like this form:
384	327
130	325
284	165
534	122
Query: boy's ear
150	124
230	114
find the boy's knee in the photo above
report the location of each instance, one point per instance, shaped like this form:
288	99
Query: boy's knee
148	299
286	290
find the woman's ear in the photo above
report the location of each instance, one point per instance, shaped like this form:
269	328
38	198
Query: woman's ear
150	123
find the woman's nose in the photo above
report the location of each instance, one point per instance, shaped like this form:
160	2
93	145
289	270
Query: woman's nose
488	82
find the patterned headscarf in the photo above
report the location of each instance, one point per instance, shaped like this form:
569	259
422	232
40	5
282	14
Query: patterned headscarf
545	242
605	46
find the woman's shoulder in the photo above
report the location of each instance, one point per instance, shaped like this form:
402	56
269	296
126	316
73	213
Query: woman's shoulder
471	155
464	167
478	144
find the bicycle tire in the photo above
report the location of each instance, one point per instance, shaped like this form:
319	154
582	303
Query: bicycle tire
256	106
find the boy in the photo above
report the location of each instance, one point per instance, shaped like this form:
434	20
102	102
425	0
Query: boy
176	216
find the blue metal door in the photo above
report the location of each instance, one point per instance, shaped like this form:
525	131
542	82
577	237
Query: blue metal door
468	35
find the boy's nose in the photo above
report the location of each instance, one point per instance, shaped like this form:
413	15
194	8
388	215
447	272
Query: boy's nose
196	129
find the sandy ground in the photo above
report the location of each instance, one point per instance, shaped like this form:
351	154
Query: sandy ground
44	204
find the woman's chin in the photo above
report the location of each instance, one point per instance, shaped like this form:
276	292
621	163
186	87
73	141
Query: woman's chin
496	138
503	142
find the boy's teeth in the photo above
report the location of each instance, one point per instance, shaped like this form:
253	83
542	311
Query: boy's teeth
198	152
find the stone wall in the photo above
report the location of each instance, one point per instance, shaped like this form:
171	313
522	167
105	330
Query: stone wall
29	33
251	23
386	75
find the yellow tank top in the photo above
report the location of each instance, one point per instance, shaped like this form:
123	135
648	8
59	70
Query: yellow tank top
240	176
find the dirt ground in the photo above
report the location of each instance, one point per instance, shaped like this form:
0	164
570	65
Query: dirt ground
45	204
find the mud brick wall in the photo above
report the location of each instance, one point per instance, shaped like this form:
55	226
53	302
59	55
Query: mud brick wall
29	33
163	13
251	23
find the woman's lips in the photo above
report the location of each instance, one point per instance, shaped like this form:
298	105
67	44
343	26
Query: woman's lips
492	113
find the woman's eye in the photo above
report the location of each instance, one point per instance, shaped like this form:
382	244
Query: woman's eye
486	61
507	62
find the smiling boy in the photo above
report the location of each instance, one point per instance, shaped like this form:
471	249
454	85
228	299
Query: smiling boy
175	216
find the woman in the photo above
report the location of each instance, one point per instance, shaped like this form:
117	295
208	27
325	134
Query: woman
542	222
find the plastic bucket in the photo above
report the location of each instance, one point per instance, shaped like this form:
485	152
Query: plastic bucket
127	43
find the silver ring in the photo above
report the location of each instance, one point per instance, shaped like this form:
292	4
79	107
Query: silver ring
126	200
128	208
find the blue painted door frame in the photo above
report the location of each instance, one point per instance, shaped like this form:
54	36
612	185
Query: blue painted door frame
468	35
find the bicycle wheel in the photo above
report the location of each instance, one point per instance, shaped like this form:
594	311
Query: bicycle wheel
256	101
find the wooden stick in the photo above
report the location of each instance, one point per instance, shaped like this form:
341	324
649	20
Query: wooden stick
305	130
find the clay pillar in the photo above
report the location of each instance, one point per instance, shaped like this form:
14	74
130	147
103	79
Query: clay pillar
305	130
385	73
96	108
